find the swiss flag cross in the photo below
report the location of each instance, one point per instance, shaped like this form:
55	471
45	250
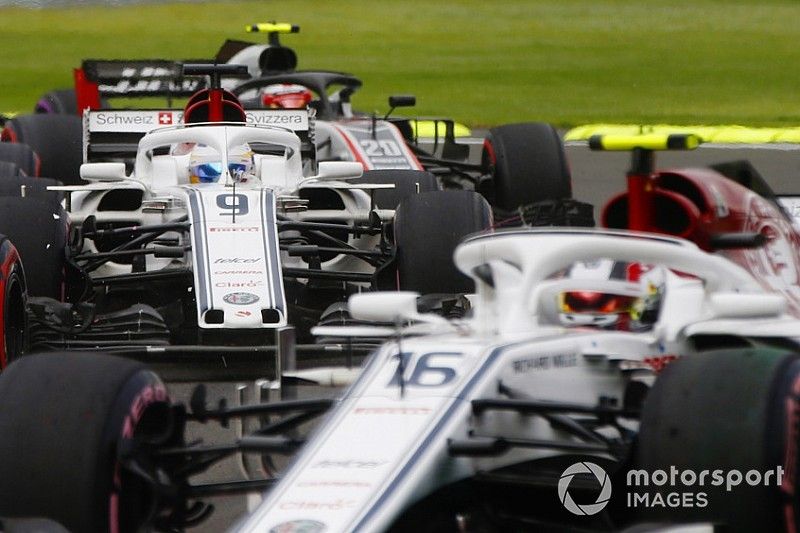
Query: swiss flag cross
165	118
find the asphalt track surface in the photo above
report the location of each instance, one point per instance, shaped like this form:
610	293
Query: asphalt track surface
597	176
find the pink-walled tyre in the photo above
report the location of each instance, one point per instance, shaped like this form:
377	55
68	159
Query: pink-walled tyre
13	295
70	425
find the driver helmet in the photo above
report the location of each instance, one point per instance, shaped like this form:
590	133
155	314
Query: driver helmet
205	164
626	298
285	96
595	308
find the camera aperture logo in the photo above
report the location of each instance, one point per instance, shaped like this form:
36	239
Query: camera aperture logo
584	467
664	488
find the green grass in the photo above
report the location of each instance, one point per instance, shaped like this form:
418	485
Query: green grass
568	62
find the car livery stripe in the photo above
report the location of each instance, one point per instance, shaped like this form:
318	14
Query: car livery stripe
360	156
409	154
201	268
270	236
265	240
205	255
359	132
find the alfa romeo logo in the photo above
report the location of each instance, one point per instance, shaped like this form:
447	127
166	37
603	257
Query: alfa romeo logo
240	298
299	526
584	467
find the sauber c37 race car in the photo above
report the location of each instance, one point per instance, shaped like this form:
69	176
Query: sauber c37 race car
600	377
215	227
511	419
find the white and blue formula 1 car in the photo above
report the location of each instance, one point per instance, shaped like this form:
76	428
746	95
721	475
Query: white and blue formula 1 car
509	419
208	230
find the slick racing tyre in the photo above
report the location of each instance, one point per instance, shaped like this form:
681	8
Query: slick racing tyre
527	164
20	155
733	411
13	320
30	525
70	426
56	139
38	229
24	186
9	169
59	101
406	183
427	229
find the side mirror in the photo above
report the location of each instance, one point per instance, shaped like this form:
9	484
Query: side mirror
339	170
383	306
399	100
103	171
402	100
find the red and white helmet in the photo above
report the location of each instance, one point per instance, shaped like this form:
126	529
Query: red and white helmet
621	297
285	96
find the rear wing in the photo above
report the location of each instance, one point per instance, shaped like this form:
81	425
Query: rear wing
105	78
144	77
113	135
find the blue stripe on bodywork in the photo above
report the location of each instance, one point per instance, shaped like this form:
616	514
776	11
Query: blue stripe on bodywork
200	255
265	241
270	251
275	263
